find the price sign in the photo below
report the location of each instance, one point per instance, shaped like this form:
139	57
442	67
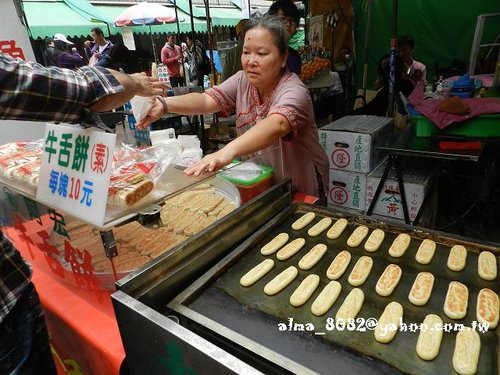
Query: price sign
76	167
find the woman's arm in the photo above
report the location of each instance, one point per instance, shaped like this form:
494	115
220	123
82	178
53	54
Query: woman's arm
189	104
260	136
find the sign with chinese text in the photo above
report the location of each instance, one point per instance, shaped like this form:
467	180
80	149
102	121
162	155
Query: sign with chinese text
76	167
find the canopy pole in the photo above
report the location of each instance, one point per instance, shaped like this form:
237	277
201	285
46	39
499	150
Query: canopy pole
394	47
177	21
210	38
192	36
367	42
154	45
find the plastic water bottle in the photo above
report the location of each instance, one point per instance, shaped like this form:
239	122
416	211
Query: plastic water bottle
439	88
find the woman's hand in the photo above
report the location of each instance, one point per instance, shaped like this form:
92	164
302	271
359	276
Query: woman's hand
155	112
211	163
148	86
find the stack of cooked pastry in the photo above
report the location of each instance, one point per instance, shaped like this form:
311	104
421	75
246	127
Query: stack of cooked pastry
468	343
182	217
21	162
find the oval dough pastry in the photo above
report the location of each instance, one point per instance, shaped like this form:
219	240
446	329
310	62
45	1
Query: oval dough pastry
388	323
374	240
291	249
425	251
325	300
487	266
360	271
339	265
314	255
351	306
336	230
422	288
276	243
256	273
303	221
319	227
430	337
305	290
388	280
281	281
400	245
455	303
488	308
457	258
357	236
466	353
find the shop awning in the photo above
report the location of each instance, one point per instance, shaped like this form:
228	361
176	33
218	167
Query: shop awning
220	16
47	18
88	11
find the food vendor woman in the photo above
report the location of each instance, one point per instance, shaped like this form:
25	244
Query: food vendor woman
273	108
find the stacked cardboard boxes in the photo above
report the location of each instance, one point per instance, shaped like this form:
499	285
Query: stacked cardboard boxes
416	176
351	145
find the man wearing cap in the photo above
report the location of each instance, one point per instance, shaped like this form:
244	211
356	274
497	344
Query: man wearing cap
232	61
65	58
98	47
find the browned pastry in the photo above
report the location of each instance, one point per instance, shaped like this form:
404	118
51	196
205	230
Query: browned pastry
454	105
164	240
162	249
211	204
129	194
217	210
229	208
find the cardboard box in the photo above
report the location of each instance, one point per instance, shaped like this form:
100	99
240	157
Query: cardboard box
347	189
416	178
351	142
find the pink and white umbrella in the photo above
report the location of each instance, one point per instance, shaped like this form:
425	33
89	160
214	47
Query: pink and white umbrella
145	14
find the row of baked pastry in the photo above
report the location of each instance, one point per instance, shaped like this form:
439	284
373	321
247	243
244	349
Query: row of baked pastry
487	264
467	345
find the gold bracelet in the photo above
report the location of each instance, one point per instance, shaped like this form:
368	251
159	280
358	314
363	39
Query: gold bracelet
163	103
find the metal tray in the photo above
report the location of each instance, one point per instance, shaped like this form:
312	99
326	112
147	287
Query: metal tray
217	305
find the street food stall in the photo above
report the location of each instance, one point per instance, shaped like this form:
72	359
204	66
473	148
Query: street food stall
190	310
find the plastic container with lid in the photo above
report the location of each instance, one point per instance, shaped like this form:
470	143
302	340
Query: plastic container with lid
250	178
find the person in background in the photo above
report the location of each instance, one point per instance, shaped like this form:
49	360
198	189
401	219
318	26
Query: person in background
414	70
273	108
171	57
379	104
64	56
297	39
97	47
31	91
289	14
196	51
232	62
187	62
49	54
117	59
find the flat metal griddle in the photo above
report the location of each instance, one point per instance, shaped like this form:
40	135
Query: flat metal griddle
249	318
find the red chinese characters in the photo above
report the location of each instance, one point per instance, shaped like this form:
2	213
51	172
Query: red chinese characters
99	158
